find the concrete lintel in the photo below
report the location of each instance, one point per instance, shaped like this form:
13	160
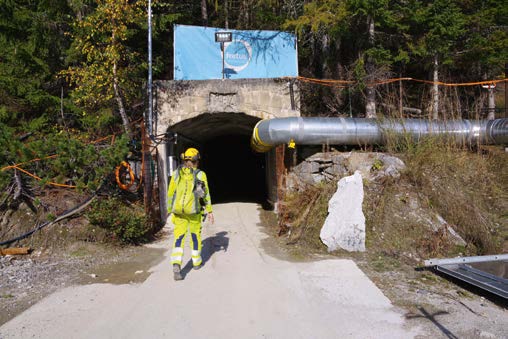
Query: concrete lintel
180	100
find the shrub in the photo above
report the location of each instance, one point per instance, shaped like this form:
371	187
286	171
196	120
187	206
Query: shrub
302	214
124	222
76	162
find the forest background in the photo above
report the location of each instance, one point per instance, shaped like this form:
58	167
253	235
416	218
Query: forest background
74	71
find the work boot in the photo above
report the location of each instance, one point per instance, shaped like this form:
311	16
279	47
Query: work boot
197	267
176	271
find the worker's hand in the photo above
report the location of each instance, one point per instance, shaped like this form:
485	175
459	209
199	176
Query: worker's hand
211	218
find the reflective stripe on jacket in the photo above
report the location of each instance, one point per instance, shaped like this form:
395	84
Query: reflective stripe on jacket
182	196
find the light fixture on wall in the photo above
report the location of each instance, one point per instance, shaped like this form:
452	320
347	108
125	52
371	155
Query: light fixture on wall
223	37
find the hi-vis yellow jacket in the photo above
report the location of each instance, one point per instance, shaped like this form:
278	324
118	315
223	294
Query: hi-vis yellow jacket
183	192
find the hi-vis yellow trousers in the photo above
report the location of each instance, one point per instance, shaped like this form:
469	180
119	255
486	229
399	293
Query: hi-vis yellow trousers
186	223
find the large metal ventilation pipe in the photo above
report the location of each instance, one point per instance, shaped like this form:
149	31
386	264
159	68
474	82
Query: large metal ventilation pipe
357	131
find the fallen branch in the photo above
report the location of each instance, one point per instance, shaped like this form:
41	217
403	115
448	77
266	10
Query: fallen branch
64	215
15	251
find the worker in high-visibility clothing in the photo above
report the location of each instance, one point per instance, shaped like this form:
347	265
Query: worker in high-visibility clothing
189	203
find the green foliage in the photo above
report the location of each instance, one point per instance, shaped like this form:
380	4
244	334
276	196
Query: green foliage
487	37
377	165
87	38
12	151
76	163
101	55
437	27
325	14
32	42
36	124
50	217
126	223
380	56
100	119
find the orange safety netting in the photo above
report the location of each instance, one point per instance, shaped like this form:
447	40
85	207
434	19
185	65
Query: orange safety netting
16	166
39	178
344	83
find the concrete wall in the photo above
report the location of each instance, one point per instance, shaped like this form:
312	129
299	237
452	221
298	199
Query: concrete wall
178	100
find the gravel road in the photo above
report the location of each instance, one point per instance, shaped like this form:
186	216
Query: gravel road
241	292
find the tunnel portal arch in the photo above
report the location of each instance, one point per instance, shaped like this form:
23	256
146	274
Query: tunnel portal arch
217	117
235	172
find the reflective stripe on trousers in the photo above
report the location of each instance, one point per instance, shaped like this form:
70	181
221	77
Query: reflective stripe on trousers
176	255
196	258
183	224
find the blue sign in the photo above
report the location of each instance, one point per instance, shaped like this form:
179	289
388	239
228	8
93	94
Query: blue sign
250	54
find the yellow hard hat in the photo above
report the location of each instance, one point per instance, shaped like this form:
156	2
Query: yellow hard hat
191	154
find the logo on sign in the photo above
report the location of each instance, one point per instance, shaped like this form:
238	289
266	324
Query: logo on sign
237	55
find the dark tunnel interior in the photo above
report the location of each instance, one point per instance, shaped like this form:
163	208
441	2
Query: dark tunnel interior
235	172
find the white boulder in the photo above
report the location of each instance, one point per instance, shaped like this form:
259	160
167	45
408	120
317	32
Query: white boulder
344	226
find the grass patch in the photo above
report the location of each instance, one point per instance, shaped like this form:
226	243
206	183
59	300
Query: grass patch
466	187
383	263
79	253
303	214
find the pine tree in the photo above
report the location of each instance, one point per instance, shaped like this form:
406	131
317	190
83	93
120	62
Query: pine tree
32	42
436	29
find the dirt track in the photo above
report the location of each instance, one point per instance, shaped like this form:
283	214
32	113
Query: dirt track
240	292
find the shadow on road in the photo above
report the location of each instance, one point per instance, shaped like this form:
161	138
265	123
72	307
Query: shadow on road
432	318
216	243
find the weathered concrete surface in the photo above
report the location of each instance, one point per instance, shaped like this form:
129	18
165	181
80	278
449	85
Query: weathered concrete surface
335	165
241	292
206	109
344	227
179	100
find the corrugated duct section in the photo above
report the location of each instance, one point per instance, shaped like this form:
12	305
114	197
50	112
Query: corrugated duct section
358	131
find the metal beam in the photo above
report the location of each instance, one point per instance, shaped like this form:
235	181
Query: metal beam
465	260
477	278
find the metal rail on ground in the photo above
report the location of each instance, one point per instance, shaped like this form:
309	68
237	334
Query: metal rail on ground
489	272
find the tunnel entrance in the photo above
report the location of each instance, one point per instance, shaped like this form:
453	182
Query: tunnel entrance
235	172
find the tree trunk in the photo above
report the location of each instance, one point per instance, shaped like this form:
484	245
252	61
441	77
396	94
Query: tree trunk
435	90
325	48
204	13
119	101
370	105
226	14
116	90
492	103
246	13
401	112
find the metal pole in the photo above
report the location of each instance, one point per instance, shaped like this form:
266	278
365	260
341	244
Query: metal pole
149	85
146	131
222	49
